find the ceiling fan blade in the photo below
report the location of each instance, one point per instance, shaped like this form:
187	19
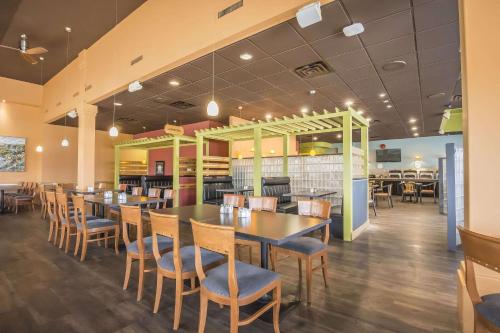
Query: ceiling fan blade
29	58
36	50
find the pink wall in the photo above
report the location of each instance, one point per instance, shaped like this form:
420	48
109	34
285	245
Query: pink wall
217	148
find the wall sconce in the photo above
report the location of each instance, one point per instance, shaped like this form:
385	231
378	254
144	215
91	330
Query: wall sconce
39	149
272	151
418	162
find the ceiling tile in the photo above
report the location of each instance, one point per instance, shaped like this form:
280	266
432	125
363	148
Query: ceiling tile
234	92
300	56
237	75
392	48
449	52
324	80
282	78
435	13
387	28
360	73
287	36
233	52
189	73
256	85
265	67
335	45
221	64
348	61
442	35
365	11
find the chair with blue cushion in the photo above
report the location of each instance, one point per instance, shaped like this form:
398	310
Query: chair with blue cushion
308	248
87	229
178	264
234	283
142	248
54	223
482	250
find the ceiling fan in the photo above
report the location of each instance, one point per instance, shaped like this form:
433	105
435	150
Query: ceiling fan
25	52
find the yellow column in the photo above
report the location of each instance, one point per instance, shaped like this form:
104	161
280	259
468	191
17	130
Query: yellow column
86	145
480	52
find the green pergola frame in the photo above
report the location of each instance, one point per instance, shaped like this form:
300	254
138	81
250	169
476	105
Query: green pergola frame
164	141
315	123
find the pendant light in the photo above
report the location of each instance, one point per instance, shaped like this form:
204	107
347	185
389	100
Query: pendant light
213	107
65	141
113	131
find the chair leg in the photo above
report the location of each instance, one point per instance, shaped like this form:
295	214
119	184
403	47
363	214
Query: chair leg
276	308
77	244
106	235
141	280
117	239
274	259
56	232
203	312
84	246
63	234
128	267
324	268
51	230
159	287
374	209
250	254
179	284
235	317
68	236
308	279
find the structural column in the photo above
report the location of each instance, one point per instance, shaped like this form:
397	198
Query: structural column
257	161
175	171
286	151
347	173
86	145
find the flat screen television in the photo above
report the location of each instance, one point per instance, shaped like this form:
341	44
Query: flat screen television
388	155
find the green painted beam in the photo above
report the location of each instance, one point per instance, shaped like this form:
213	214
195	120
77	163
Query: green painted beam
199	169
452	121
347	175
257	162
286	151
175	171
117	167
230	153
365	148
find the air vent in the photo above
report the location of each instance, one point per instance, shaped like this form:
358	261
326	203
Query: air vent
127	119
136	60
161	100
88	87
181	105
231	8
312	70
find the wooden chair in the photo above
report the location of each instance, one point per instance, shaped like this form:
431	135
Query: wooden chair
43	204
268	204
96	227
234	283
169	194
409	190
428	189
386	194
371	199
482	250
122	187
154	193
140	249
308	248
178	264
137	190
54	223
235	200
26	199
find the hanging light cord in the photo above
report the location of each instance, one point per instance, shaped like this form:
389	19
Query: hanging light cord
213	75
114	95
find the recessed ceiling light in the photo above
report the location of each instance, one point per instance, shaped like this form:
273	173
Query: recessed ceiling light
41	58
253	119
269	116
143	127
246	56
412	120
312	92
348	103
414	128
394	65
240	107
315	138
386	101
353	29
416	134
117	104
339	136
174	121
174	83
304	110
389	106
382	95
67	29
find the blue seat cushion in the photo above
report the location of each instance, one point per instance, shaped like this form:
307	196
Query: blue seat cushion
306	245
99	223
163	243
187	257
490	308
250	279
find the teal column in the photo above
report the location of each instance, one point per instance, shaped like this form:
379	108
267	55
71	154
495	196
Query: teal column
199	169
286	151
257	161
347	179
175	171
117	167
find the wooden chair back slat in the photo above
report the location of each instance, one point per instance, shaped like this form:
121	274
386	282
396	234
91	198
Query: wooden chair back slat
63	211
263	203
235	200
52	205
137	190
317	208
122	187
131	215
80	215
168	226
154	193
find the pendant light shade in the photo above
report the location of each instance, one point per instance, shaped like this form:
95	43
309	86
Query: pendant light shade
65	142
39	149
113	131
213	109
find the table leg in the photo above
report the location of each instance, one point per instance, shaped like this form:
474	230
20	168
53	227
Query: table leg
2	200
264	255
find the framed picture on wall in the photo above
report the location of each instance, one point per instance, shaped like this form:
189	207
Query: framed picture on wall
159	168
12	154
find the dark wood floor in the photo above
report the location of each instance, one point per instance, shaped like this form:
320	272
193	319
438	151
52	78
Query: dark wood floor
396	277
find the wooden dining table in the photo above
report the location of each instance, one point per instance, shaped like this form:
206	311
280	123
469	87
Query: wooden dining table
3	188
103	204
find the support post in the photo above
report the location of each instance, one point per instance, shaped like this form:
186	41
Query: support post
175	171
86	145
230	153
286	151
199	169
364	147
347	173
257	161
117	167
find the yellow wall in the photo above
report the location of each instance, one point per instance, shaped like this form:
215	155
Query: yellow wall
480	52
